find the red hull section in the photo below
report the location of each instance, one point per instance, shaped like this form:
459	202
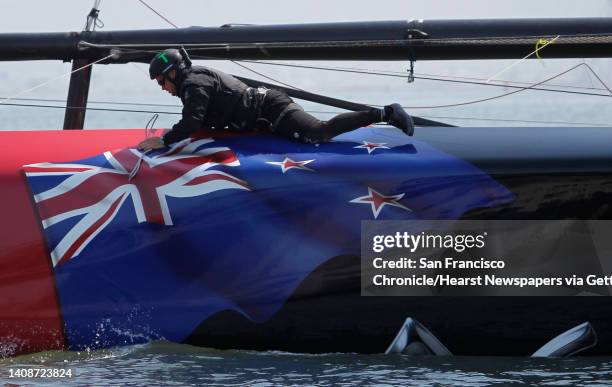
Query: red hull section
30	319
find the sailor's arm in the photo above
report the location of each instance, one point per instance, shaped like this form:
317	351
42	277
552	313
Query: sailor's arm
195	103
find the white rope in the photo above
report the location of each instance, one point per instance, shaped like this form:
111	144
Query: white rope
537	50
54	79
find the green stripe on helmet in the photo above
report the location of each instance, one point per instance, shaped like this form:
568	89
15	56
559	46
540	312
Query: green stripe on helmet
162	55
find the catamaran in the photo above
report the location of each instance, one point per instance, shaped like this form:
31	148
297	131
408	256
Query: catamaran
254	242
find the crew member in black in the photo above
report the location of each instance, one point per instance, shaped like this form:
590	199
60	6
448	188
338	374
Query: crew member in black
215	100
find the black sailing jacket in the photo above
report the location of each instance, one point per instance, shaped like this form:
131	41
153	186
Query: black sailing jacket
213	99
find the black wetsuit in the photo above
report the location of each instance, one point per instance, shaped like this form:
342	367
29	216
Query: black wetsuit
215	100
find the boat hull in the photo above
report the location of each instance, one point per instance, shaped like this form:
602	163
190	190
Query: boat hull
565	177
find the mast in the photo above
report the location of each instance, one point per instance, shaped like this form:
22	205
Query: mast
78	89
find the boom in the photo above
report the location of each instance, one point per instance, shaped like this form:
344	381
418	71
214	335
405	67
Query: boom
380	40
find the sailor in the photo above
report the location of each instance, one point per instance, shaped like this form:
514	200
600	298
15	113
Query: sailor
215	100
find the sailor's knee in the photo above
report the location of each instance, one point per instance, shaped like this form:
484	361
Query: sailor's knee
311	135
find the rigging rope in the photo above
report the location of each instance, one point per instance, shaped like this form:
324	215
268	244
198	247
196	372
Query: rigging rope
234	62
566	39
158	14
54	79
93	20
436	77
542	43
536	51
520	89
87	108
507	94
513	40
401	75
98	102
425	76
263	75
309	111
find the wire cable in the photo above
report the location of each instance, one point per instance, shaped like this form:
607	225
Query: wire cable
439	79
98	102
536	51
515	40
264	76
234	62
158	14
505	94
54	79
312	112
423	76
87	108
397	75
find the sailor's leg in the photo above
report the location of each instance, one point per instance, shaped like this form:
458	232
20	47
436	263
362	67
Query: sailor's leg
346	122
302	126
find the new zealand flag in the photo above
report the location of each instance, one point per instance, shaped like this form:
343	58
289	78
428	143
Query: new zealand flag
147	246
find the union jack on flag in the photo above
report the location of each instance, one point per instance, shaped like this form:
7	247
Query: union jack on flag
96	193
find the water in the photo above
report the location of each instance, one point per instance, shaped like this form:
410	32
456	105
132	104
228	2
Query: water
169	364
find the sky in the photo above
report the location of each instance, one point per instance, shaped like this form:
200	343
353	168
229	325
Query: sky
69	15
130	82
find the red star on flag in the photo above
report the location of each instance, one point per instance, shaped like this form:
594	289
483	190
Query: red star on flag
378	201
371	146
288	164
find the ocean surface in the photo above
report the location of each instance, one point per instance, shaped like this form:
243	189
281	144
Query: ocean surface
168	364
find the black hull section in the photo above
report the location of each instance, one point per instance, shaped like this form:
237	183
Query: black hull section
552	179
343	321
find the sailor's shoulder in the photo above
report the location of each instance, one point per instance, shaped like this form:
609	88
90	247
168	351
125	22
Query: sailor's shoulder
199	76
198	71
